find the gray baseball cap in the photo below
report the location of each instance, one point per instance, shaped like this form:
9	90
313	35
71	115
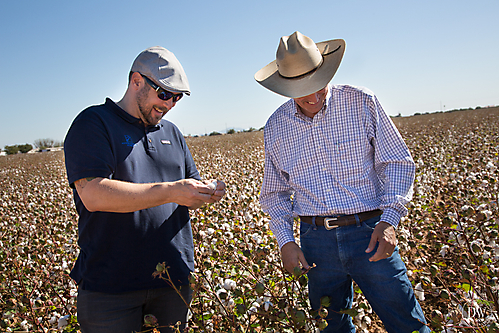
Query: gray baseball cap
161	66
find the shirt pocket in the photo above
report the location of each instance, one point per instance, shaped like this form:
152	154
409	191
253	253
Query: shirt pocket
351	159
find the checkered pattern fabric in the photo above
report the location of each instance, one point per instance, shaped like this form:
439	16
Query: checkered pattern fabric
348	159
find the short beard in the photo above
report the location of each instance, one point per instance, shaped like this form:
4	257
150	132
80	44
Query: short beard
142	96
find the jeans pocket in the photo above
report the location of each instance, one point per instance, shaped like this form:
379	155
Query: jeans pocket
370	224
305	229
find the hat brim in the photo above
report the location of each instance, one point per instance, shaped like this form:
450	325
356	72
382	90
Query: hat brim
307	84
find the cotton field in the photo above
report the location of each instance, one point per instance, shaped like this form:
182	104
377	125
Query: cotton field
449	240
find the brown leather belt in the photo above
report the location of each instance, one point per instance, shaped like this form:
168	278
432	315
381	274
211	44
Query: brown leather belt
331	222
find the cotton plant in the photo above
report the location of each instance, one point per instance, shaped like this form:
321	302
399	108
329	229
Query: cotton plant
449	238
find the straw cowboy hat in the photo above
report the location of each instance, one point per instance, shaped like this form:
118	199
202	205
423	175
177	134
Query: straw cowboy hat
302	67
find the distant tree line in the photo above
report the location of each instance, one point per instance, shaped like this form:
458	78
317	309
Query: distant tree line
448	111
230	131
39	143
11	150
47	143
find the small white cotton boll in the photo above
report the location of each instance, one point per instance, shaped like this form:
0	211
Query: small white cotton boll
213	185
444	250
63	322
418	290
229	284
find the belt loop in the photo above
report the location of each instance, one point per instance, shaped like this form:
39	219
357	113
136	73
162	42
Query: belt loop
313	222
357	219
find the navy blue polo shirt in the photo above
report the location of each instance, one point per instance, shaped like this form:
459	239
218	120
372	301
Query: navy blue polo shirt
119	251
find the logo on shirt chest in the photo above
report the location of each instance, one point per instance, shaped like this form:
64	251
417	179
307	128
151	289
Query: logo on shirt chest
128	141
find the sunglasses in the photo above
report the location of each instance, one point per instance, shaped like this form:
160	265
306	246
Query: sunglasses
163	94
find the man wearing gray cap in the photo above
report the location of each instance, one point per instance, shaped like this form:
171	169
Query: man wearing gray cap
334	159
133	181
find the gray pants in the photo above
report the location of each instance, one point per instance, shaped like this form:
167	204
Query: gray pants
124	312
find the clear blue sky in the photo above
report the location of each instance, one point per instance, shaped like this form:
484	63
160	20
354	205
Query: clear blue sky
59	57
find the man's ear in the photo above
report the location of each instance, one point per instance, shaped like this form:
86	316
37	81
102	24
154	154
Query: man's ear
136	80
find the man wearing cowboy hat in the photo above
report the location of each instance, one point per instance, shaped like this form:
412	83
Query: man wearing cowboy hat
335	159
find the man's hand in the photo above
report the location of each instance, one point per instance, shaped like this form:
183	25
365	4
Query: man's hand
292	257
109	195
219	191
192	193
384	234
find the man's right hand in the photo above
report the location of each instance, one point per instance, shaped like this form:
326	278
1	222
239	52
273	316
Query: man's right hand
292	256
109	195
192	193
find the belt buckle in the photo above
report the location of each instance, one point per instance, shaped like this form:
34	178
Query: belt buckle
330	219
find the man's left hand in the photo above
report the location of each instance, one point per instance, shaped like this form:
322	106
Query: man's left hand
384	234
218	192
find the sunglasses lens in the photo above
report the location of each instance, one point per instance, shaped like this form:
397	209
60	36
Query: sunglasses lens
177	98
166	95
163	95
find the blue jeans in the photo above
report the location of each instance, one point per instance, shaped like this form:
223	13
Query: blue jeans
124	312
340	258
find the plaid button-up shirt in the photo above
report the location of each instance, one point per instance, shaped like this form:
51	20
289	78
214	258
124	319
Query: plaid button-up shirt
348	159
